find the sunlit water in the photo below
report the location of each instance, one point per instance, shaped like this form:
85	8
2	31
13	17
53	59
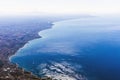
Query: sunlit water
71	48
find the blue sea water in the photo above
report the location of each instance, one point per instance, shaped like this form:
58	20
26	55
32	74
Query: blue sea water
73	49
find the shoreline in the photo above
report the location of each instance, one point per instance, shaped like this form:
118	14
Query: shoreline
7	66
39	36
33	34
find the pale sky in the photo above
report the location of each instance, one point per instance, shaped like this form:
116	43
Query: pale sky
60	6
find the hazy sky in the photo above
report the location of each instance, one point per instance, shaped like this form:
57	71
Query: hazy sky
60	6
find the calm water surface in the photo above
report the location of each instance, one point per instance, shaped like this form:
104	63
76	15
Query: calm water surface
71	48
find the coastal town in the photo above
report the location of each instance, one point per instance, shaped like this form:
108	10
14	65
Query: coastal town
13	37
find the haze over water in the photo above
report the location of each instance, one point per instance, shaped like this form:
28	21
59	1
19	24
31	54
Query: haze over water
71	48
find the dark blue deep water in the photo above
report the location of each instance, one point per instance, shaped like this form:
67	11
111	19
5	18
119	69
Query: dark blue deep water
73	49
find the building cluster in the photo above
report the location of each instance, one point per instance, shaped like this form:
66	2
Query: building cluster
12	72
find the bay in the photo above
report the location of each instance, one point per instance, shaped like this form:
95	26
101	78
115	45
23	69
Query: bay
71	49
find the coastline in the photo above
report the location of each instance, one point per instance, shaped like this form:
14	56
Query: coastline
39	33
30	36
35	38
29	42
10	67
39	36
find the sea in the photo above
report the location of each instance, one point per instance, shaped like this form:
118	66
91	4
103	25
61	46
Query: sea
76	49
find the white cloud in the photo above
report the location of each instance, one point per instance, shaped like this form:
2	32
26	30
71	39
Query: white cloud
59	6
